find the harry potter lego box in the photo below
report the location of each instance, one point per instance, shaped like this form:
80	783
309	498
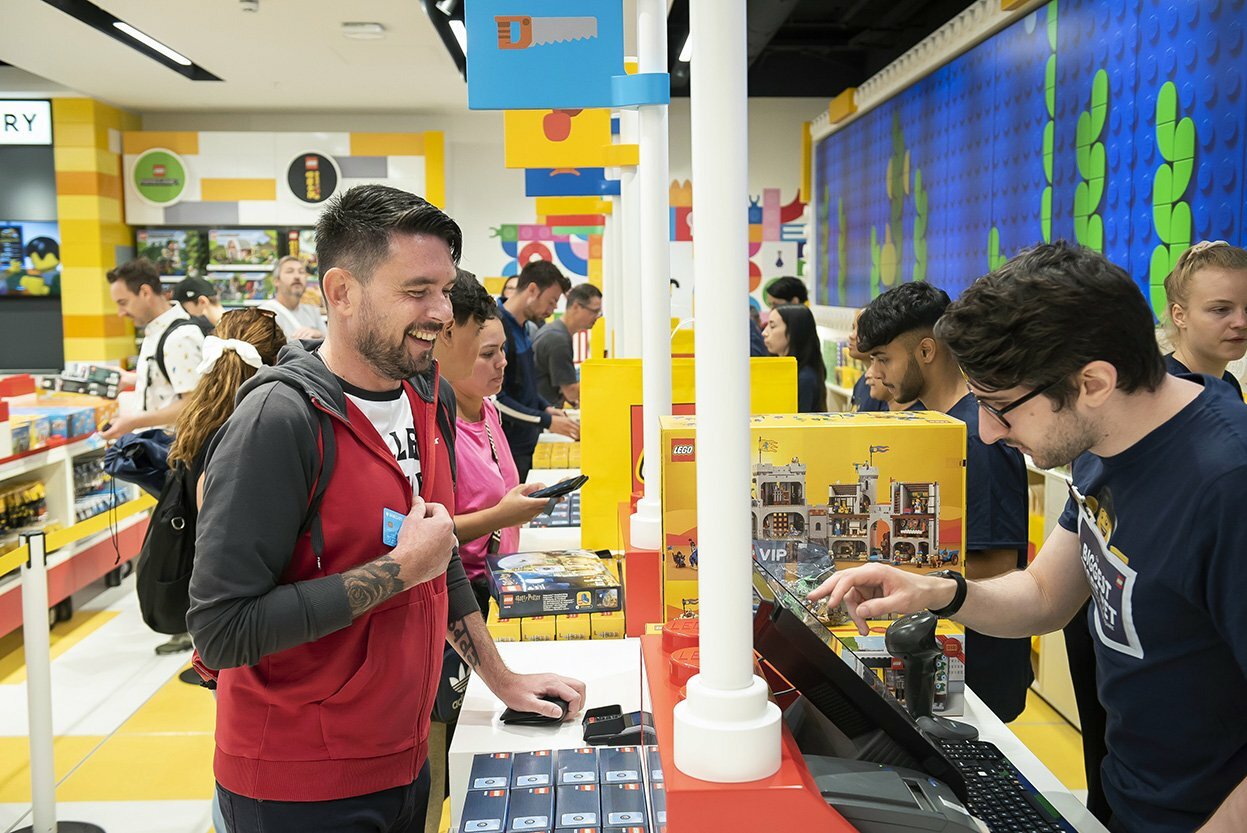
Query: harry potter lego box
838	489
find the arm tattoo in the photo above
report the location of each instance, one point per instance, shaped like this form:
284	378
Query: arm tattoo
461	638
371	584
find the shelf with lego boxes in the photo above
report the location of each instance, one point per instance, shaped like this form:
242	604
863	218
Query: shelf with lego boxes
51	482
831	489
555	451
571	595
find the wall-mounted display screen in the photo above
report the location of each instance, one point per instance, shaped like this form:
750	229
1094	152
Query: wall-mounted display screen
242	250
30	259
172	250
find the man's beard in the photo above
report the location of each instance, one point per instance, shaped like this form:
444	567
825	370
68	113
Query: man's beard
393	361
910	386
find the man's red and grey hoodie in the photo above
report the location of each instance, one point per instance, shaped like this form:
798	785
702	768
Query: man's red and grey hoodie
313	705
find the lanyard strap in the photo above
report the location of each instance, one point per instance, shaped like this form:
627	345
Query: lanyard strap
495	537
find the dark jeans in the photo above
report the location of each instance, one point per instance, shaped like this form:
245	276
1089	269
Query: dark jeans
999	672
1080	648
397	810
523	463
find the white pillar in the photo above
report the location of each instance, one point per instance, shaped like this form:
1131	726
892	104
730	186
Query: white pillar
628	337
655	273
613	303
726	730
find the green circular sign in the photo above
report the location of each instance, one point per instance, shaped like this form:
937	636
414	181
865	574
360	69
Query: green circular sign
160	177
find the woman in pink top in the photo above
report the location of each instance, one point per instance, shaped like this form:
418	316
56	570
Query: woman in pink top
490	501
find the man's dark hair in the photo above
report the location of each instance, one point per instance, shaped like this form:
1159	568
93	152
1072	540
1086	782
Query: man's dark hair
543	273
137	274
903	309
787	288
582	294
470	299
1046	314
354	230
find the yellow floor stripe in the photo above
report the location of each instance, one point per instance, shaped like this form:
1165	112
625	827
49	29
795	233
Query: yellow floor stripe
175	708
64	636
1059	748
67	753
1038	711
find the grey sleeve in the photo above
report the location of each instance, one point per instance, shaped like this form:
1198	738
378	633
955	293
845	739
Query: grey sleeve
558	360
459	591
258	480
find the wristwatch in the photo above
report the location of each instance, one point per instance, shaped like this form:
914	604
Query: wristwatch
959	597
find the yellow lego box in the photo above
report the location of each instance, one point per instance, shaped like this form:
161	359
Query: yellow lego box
541	455
559	454
607	625
828	489
503	630
573	626
573	455
950	665
538	629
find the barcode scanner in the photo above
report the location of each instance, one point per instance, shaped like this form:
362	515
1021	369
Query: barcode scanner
912	641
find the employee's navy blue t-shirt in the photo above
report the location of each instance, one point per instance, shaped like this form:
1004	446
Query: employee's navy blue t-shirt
1169	613
1177	368
997	518
863	402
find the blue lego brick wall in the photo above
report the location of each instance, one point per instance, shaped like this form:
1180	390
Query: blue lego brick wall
956	173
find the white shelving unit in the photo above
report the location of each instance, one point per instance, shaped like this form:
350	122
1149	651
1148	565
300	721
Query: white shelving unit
54	467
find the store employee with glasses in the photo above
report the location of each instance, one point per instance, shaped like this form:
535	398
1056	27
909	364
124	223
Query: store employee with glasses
1153	531
896	332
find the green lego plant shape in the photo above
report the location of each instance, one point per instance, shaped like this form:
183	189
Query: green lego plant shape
824	235
876	261
1170	213
1049	143
897	182
994	258
1092	167
920	228
842	250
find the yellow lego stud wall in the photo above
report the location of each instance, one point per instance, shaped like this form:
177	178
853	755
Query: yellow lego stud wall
94	238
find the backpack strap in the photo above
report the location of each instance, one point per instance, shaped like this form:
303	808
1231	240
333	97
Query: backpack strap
328	452
160	346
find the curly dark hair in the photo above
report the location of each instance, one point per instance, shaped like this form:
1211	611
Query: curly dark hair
903	309
471	300
1045	315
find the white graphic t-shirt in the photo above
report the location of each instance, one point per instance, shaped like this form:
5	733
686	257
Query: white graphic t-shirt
183	353
390	413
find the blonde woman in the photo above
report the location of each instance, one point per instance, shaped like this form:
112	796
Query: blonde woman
1207	311
245	340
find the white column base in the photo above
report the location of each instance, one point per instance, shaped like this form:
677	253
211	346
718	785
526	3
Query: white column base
646	524
727	737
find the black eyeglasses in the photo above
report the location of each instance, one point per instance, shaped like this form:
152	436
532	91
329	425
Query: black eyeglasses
999	413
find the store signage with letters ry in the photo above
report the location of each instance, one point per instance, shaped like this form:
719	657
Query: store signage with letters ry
24	122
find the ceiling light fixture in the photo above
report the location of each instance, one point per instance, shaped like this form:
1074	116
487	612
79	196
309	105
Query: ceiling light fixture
150	42
107	23
363	31
686	54
461	34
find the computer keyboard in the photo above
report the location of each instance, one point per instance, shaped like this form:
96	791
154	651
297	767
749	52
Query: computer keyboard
1000	795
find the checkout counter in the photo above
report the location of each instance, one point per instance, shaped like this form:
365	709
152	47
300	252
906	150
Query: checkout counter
615	674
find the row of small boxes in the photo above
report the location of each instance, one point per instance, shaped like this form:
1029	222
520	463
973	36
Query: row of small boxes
28	423
585	789
569	626
556	455
563	627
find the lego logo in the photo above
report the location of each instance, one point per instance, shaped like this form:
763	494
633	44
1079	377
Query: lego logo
683	451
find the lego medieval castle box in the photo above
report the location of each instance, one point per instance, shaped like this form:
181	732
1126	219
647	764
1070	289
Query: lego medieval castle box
828	490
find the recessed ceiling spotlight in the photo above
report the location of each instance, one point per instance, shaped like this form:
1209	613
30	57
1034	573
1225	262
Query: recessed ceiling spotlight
363	31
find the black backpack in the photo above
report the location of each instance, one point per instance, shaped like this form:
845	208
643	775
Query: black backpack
168	554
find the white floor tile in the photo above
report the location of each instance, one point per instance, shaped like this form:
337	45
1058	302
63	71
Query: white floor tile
122	816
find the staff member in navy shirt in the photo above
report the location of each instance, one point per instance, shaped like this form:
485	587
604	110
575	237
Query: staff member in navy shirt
1207	298
524	412
896	332
1152	533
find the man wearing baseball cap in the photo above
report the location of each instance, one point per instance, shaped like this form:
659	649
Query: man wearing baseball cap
200	299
